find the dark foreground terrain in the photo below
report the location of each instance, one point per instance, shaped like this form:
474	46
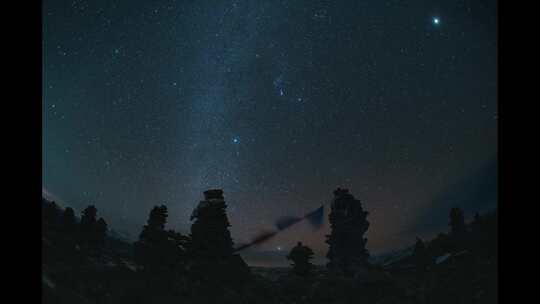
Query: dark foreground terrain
448	269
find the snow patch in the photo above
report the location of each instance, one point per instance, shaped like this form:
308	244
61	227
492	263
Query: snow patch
47	281
130	266
442	258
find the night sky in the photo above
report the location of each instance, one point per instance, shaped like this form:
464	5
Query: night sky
277	103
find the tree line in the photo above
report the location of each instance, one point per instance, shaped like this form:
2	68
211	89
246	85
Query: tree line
175	265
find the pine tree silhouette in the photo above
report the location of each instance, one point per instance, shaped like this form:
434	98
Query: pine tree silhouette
68	222
161	253
68	228
301	257
457	221
211	245
347	245
88	217
420	256
210	234
50	212
92	232
152	240
99	234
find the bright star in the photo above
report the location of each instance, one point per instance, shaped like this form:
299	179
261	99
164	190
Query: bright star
436	20
236	140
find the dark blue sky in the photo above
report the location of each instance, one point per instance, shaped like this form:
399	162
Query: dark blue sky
275	102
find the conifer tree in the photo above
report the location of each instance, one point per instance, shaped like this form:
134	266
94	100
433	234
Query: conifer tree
88	217
457	221
50	214
153	239
211	244
421	259
68	227
301	256
210	233
347	245
68	221
87	229
161	253
100	234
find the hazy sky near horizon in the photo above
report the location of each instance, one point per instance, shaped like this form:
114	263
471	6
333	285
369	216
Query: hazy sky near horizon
277	103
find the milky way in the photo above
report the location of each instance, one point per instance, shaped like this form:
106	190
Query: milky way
277	103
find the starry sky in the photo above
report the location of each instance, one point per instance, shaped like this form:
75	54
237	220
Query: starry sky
277	103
